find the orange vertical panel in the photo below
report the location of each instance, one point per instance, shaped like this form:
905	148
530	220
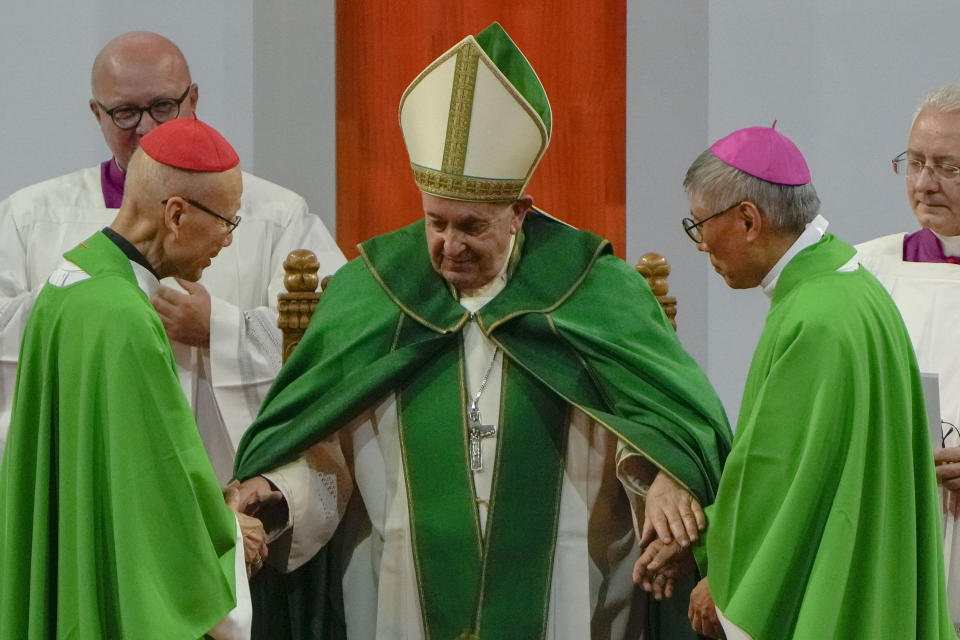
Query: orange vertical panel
579	52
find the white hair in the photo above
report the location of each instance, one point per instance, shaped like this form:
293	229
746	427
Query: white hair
715	185
945	99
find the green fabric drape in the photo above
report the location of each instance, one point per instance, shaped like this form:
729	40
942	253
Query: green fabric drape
112	523
826	524
387	316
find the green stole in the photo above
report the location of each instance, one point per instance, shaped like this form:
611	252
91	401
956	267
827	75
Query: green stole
471	586
474	585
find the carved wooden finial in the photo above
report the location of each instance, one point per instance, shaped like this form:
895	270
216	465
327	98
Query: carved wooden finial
296	307
301	267
655	269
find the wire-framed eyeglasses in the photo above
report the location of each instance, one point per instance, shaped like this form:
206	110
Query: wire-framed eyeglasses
127	116
231	224
912	168
692	227
947	432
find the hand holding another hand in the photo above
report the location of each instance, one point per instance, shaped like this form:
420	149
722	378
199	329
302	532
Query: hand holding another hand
671	513
659	565
254	543
252	496
247	499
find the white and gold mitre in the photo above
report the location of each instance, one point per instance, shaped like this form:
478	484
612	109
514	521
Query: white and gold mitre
476	121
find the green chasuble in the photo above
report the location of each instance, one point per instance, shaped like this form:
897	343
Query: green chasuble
826	524
576	326
112	523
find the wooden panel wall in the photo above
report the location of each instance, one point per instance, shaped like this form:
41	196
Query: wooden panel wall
579	52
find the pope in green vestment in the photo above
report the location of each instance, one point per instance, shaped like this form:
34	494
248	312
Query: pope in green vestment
508	396
113	523
579	334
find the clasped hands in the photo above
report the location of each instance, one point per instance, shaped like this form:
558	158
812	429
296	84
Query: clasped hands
246	499
673	520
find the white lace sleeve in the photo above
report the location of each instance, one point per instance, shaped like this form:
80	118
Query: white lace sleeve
317	487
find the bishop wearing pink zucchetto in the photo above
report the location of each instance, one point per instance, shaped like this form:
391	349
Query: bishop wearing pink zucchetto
826	523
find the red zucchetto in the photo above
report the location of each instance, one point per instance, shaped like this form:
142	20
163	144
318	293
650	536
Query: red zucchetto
188	143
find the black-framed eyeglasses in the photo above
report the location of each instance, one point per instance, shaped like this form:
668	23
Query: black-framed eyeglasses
127	116
231	224
912	168
692	227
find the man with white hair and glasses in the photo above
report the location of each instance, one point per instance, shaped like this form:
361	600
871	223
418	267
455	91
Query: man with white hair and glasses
921	271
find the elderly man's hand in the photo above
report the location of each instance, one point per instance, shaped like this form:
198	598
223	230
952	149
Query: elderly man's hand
254	543
948	475
252	496
703	613
246	499
671	513
185	316
659	565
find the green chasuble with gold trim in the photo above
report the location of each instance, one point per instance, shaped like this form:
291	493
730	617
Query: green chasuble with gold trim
576	325
112	522
826	524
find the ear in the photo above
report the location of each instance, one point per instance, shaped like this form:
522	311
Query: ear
750	216
173	216
192	98
95	109
520	207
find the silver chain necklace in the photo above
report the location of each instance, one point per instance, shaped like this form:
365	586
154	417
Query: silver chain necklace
476	430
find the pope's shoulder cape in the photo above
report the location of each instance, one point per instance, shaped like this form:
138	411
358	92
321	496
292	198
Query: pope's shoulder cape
112	523
576	317
826	522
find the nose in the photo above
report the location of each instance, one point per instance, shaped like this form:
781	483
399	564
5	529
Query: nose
702	246
146	124
453	243
925	180
228	239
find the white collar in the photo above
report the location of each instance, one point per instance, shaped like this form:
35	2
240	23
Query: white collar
68	273
810	236
475	300
950	244
147	282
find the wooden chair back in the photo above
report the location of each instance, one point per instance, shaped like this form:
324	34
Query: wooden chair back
655	269
296	306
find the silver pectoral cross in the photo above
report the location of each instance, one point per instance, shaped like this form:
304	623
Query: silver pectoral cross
477	432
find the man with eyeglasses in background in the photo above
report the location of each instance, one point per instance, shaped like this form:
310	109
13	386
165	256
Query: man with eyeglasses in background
826	521
222	328
922	272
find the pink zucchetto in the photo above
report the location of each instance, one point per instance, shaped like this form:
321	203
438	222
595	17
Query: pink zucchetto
764	153
188	143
